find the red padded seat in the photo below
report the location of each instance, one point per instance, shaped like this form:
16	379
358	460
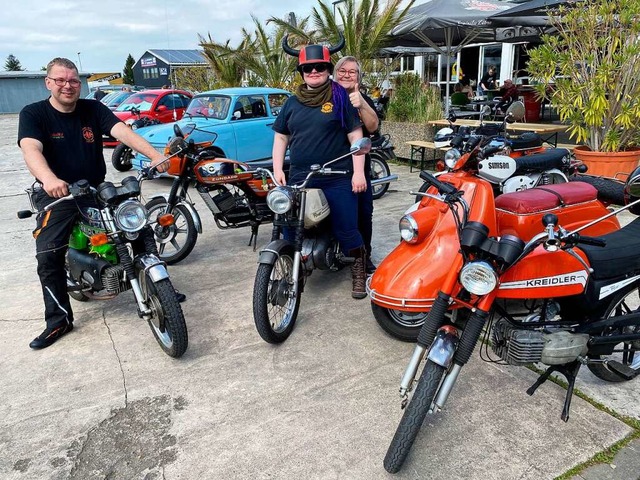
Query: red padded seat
547	197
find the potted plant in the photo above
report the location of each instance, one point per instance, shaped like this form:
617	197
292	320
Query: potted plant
589	69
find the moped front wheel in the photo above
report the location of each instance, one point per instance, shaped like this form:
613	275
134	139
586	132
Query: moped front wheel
413	417
404	326
379	169
275	305
167	319
175	242
122	157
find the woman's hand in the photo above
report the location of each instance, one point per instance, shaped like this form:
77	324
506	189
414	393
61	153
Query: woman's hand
358	183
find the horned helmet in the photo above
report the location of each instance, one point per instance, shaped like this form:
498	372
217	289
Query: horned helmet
313	53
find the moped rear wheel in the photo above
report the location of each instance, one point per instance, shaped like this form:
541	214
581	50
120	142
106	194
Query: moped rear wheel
175	242
413	417
404	326
167	319
275	307
121	159
627	353
379	169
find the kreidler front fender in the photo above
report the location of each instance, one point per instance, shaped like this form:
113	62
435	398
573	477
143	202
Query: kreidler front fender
444	346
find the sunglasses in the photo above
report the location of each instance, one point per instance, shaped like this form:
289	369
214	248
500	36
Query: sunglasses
318	67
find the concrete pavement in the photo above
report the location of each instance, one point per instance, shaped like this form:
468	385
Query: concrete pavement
105	402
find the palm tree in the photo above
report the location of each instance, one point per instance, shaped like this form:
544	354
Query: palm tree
223	59
265	61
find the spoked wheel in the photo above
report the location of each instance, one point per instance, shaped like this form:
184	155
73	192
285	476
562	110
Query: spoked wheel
167	320
404	326
626	353
379	169
122	158
175	242
413	417
275	307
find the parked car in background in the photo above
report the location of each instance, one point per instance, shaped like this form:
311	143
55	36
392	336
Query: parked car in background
239	119
165	105
111	88
114	99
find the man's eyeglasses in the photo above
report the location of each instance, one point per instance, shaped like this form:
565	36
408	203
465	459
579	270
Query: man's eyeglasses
347	73
61	82
318	67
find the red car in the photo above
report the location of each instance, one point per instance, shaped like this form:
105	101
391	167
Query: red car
164	105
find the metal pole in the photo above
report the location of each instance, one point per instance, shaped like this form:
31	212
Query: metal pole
79	61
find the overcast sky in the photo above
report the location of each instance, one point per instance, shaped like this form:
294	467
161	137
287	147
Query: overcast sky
106	32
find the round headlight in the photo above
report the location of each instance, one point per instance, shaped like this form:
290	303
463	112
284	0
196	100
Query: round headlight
451	157
408	229
131	216
478	278
280	200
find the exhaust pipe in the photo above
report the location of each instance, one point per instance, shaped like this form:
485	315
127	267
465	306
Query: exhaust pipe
387	179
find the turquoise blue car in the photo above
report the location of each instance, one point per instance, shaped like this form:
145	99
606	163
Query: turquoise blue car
239	119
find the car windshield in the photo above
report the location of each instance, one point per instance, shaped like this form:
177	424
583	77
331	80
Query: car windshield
141	101
210	106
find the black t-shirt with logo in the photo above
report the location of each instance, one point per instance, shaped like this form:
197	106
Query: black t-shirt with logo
316	134
72	142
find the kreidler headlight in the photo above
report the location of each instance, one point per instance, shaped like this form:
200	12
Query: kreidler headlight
478	278
408	229
131	216
451	157
280	200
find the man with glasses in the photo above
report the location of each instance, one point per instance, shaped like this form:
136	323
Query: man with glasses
348	74
61	142
319	124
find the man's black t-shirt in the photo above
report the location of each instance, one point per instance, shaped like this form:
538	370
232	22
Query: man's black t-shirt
316	134
72	142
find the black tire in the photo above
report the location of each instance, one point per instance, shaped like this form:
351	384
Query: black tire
404	326
379	169
274	310
609	190
423	188
122	158
413	417
167	320
627	353
175	242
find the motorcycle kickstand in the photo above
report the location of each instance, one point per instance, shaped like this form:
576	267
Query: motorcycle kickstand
253	239
570	371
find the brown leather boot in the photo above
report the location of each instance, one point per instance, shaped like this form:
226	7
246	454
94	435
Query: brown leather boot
358	274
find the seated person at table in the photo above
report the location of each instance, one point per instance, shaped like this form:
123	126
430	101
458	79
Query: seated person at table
508	94
459	98
466	86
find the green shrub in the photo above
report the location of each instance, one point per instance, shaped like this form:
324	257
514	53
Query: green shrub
412	101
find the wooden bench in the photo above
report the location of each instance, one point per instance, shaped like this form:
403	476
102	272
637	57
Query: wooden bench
419	147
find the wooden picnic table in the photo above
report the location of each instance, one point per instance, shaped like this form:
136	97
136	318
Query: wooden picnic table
548	131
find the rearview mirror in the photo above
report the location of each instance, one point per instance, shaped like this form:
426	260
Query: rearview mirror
516	111
361	147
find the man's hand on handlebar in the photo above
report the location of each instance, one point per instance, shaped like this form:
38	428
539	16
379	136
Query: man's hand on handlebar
160	165
56	188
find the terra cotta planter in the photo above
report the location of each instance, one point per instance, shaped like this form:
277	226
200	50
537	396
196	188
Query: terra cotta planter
608	164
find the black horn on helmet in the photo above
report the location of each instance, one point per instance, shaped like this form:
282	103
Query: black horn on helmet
313	53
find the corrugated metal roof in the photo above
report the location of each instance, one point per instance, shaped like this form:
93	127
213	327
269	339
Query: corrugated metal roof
173	57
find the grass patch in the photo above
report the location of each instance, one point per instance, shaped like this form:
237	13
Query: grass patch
607	455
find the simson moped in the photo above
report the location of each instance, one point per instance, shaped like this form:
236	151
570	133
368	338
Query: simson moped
559	298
